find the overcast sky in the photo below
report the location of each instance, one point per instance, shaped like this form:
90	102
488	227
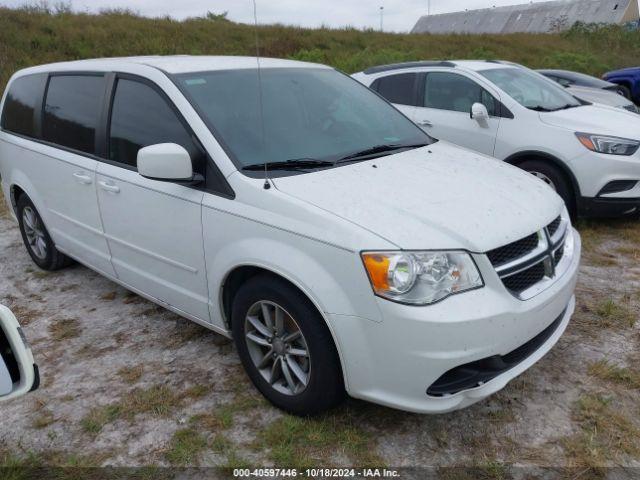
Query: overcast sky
399	15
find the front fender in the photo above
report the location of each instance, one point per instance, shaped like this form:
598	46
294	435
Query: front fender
334	280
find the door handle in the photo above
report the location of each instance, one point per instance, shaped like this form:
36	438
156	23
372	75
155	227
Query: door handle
425	123
82	178
109	187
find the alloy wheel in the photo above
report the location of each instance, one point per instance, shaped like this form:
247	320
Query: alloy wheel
34	232
544	178
278	348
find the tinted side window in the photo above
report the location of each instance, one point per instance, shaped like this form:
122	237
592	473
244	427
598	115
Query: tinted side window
23	103
398	89
450	91
72	111
140	117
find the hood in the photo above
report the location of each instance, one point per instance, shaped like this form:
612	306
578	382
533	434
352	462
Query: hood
623	71
436	197
597	119
597	95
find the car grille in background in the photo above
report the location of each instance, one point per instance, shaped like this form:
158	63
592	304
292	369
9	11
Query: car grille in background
537	260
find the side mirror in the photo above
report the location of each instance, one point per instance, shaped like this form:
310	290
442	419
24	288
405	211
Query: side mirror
18	373
167	162
479	112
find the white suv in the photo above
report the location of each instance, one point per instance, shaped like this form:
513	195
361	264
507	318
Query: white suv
587	153
299	213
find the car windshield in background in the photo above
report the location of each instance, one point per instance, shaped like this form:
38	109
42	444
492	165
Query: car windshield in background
313	117
531	90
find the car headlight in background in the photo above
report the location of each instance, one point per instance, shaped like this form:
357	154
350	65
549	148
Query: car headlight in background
608	145
423	277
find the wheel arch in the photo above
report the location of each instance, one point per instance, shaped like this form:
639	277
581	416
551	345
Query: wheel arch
517	158
20	184
239	274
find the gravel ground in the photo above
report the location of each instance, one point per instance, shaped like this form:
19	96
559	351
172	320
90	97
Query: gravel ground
126	383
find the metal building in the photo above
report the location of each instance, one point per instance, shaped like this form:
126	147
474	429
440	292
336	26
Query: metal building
539	17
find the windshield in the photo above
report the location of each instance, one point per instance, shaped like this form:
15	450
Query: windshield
310	114
531	90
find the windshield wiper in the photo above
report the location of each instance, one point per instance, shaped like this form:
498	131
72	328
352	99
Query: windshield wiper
293	164
567	107
540	108
377	150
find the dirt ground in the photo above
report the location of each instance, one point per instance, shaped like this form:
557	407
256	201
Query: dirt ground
126	383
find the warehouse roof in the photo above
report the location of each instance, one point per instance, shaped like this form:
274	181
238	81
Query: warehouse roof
539	17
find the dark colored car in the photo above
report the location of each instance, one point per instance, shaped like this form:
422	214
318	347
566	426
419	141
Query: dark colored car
627	79
567	78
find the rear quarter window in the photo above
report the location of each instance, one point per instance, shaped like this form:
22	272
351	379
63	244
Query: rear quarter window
399	89
23	104
72	111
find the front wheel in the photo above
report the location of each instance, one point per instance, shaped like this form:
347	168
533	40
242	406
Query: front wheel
285	347
553	177
624	91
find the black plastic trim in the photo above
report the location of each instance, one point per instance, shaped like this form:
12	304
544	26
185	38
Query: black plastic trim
36	378
474	374
603	207
617	186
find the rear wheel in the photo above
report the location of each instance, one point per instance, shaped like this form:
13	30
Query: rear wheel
285	347
553	177
36	238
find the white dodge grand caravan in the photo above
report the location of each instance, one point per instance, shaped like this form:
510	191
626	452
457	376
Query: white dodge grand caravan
296	211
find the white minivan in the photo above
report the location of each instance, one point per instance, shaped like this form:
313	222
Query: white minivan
296	211
590	154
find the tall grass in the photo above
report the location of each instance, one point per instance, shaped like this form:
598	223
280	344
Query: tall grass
40	34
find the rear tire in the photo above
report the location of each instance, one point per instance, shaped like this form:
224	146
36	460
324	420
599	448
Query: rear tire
36	238
293	382
555	178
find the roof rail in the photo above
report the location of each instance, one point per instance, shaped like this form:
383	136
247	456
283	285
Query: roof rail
504	62
400	66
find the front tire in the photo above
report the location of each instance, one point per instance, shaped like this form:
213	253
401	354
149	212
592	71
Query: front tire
553	177
36	238
285	347
624	91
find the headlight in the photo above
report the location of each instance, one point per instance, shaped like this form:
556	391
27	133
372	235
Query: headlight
421	278
608	145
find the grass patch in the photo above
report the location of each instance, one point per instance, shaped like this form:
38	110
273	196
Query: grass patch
40	34
43	419
131	374
300	442
158	400
615	313
64	329
606	435
209	422
622	376
221	444
197	391
186	447
97	418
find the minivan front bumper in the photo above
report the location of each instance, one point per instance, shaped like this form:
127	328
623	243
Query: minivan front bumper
396	361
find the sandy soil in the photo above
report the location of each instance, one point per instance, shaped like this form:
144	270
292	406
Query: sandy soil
122	377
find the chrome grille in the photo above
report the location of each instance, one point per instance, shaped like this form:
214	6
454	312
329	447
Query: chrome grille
524	264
